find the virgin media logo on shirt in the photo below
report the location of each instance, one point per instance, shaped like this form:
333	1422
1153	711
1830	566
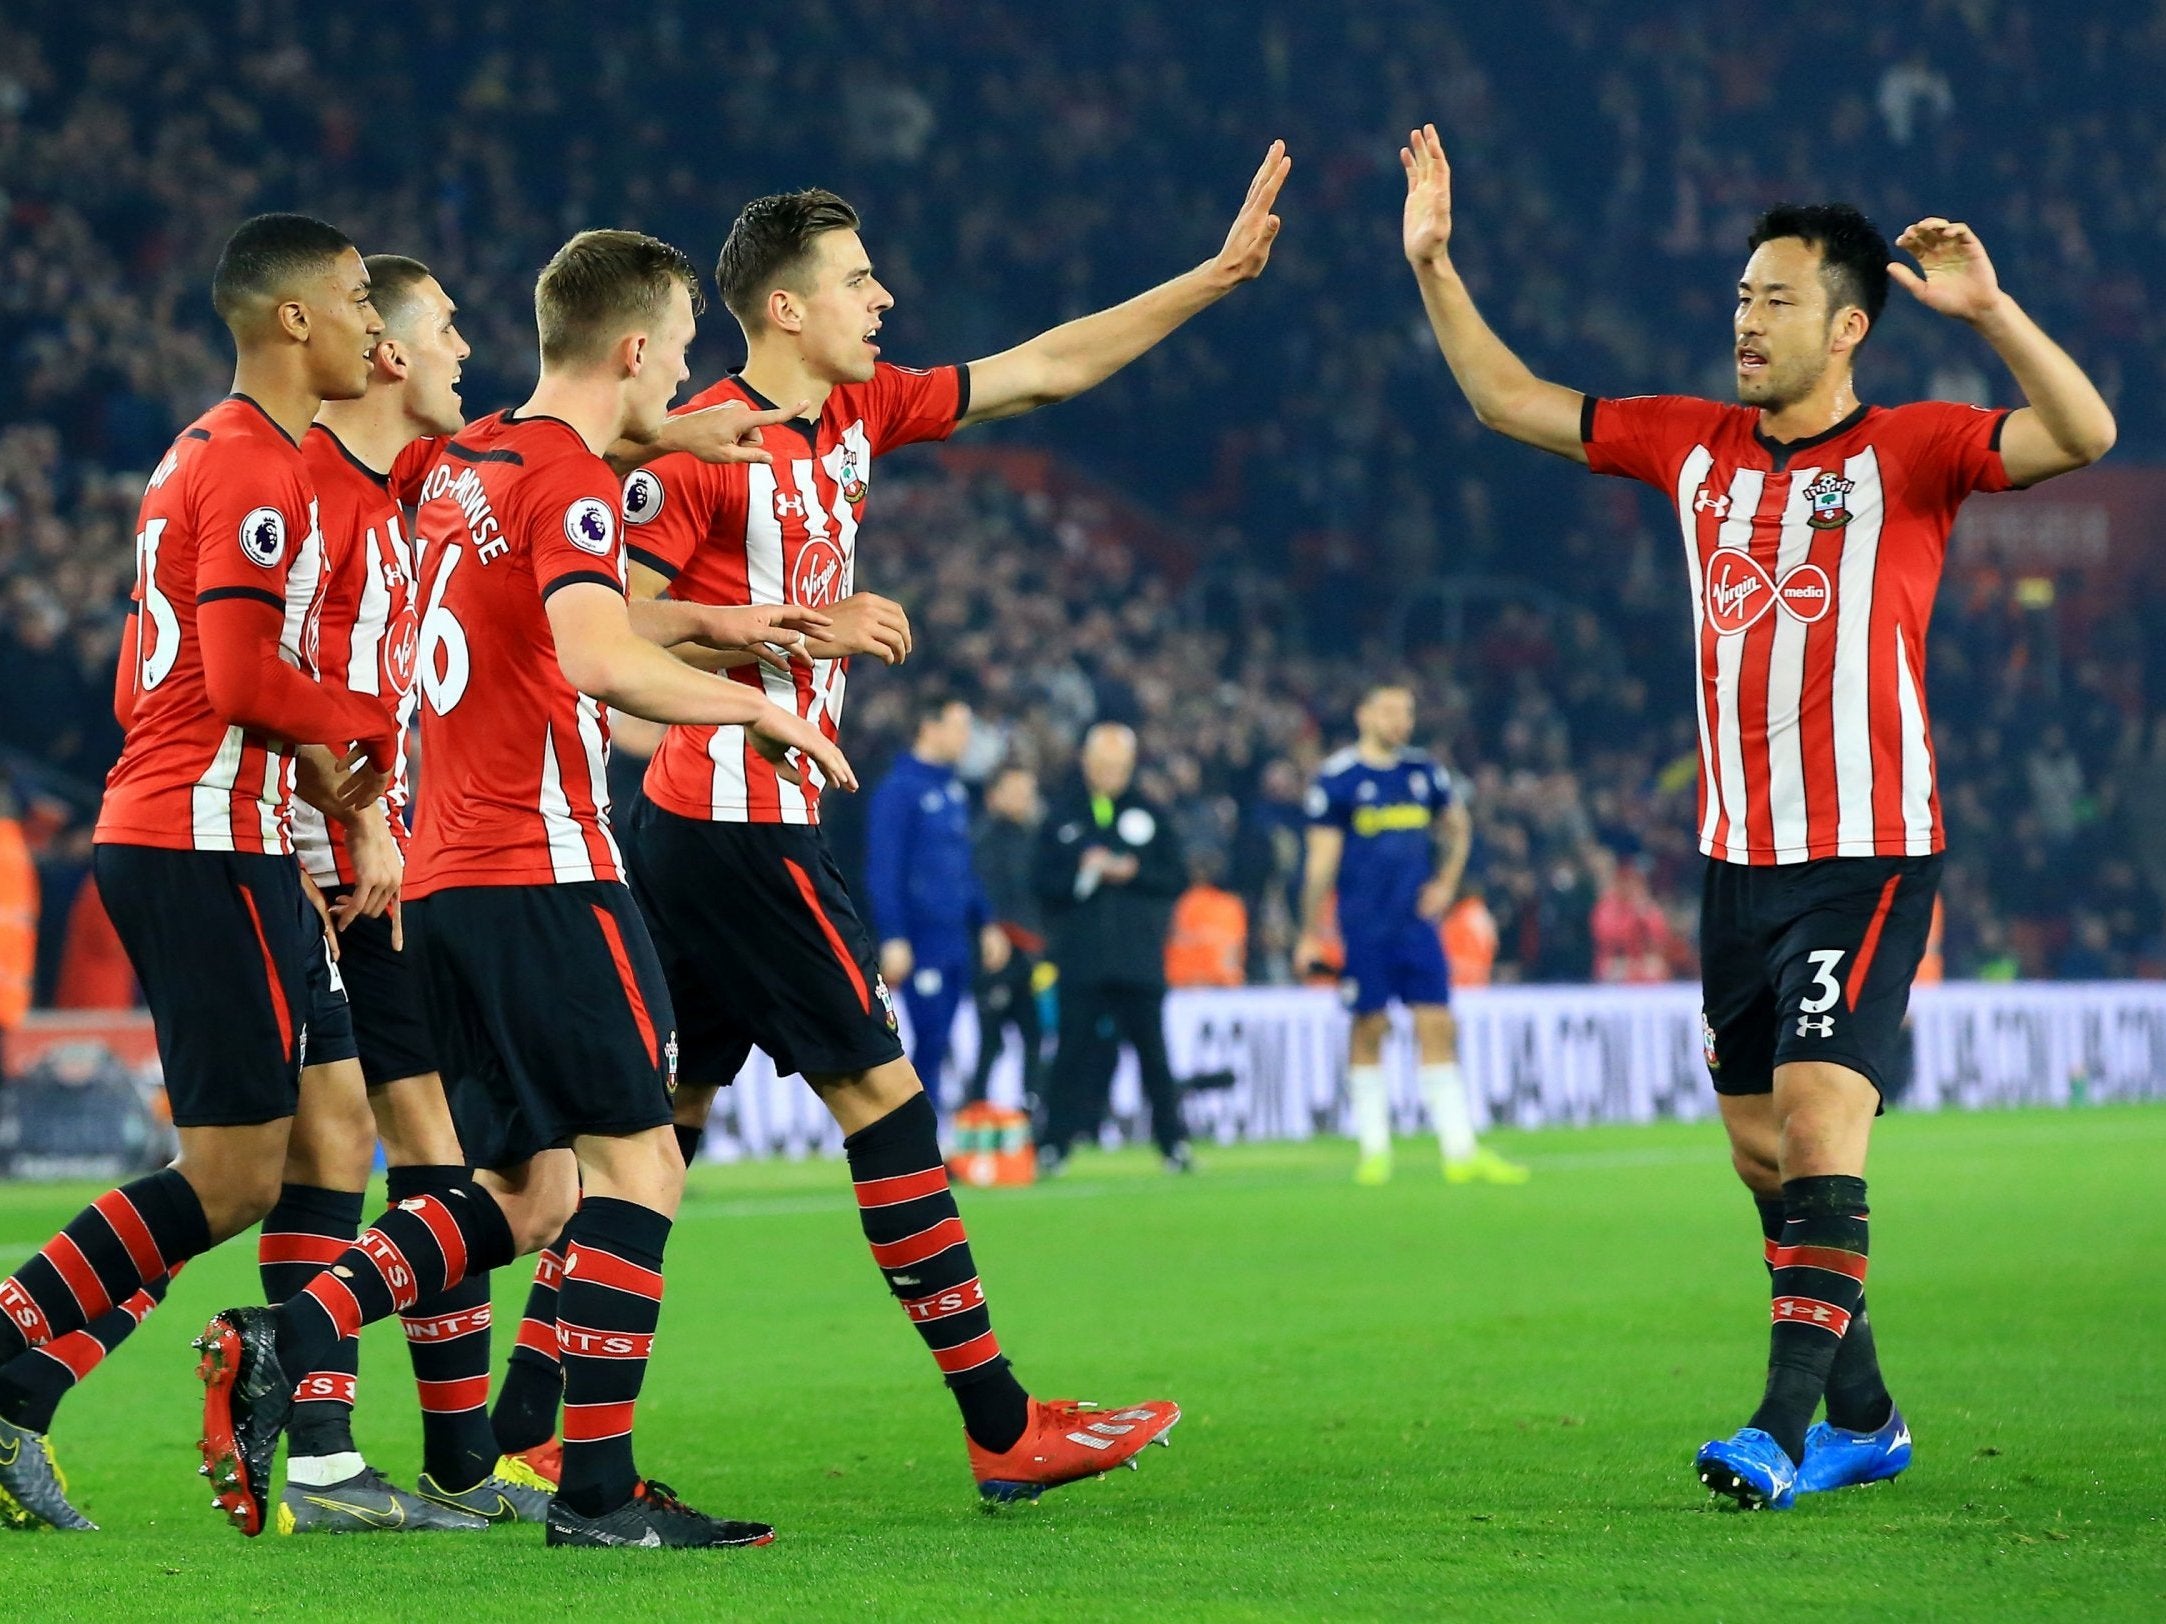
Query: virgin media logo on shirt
816	577
1740	591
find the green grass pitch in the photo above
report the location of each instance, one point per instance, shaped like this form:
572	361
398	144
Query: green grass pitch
1401	1403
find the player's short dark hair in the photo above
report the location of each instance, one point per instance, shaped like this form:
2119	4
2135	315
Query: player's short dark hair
267	257
769	241
601	285
930	703
1853	254
392	281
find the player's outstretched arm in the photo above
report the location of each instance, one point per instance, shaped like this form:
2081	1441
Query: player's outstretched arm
602	655
2067	424
729	432
1504	393
1078	355
773	633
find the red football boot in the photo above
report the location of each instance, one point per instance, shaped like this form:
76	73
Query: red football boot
1066	1440
545	1461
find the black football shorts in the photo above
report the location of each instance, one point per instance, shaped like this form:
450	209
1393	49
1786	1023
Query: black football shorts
549	1014
762	945
383	985
1810	961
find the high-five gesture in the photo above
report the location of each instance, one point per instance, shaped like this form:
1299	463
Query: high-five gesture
1427	225
1255	228
1957	279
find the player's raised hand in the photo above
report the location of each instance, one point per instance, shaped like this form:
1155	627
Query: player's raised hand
1958	279
778	732
865	623
1255	228
775	633
1427	226
729	432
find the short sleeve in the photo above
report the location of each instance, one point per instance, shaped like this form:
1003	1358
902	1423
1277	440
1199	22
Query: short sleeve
1323	808
671	505
573	529
1953	450
1644	437
253	515
412	466
905	405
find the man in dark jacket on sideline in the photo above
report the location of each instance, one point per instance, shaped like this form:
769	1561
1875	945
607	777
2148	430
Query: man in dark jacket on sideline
1109	867
1007	993
923	889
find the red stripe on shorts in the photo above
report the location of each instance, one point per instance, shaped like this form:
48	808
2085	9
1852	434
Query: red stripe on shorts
630	982
270	975
1863	964
834	936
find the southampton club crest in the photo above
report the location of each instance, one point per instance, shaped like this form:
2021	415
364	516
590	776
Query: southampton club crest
1829	495
850	479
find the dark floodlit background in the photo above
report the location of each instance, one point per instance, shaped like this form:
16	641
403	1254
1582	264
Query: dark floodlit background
1288	497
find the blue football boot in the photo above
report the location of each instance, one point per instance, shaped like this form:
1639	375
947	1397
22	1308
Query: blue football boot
1837	1458
1750	1468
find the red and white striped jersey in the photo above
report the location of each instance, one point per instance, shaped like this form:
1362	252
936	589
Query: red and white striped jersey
786	532
514	759
230	512
367	622
1813	568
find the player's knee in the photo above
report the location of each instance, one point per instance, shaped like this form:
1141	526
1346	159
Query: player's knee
1761	1173
236	1198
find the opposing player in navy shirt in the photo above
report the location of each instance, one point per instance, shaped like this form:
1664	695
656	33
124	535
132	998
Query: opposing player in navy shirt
1387	835
927	904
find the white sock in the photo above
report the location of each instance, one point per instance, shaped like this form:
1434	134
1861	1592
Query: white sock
1372	1109
1445	1090
321	1471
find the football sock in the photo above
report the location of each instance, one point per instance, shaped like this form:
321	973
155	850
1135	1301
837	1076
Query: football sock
308	1231
688	1142
1371	1100
447	1338
1818	1282
909	1216
1857	1398
607	1309
33	1384
1444	1089
413	1250
526	1405
108	1252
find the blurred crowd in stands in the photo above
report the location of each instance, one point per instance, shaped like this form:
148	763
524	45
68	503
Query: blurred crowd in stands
1284	501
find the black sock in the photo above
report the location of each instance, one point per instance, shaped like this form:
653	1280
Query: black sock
108	1252
1818	1282
526	1404
420	1247
909	1217
447	1339
689	1141
307	1231
1857	1398
607	1310
33	1384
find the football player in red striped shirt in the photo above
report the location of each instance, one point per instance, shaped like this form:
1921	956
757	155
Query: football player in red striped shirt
761	940
216	688
545	1002
1814	528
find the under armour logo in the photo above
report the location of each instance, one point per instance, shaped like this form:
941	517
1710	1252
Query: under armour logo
1811	1026
1798	1308
1708	502
786	505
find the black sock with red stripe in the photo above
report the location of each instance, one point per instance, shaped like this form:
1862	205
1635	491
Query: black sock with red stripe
419	1247
108	1252
308	1231
1818	1278
1858	1397
447	1338
909	1215
33	1384
607	1310
526	1405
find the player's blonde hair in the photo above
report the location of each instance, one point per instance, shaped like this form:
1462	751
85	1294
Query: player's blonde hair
602	285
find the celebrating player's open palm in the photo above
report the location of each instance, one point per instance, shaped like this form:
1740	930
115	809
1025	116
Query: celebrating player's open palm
1427	227
779	731
1255	228
1958	279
